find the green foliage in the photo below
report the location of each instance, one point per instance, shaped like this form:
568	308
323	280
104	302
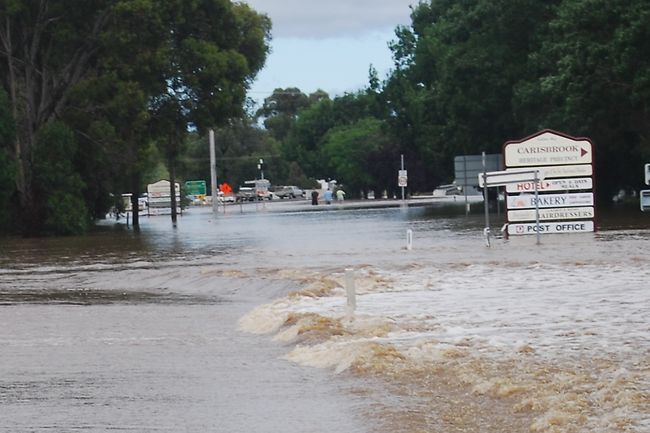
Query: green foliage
7	166
119	74
280	110
58	187
350	151
592	78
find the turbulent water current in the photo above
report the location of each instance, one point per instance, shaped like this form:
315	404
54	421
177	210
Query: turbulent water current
239	323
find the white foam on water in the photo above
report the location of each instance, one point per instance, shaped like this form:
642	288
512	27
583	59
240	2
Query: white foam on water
576	323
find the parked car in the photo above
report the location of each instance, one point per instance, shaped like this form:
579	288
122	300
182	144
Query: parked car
225	198
246	193
290	191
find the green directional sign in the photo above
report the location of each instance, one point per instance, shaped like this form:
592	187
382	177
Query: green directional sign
195	187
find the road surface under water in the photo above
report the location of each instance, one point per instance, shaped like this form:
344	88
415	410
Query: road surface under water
216	325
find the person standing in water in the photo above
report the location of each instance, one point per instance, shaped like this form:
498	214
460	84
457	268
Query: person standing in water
314	197
328	196
340	195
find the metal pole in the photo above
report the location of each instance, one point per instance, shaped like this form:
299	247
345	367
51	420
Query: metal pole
402	165
465	183
213	174
485	202
536	179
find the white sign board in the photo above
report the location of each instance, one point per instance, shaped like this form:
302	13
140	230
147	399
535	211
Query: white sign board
647	174
402	178
558	213
552	227
548	149
564	199
644	198
527	201
161	189
569	184
553	171
501	178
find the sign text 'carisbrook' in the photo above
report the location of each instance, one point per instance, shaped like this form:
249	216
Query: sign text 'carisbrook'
548	149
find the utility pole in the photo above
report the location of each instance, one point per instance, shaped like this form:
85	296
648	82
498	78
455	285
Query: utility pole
486	231
213	173
402	169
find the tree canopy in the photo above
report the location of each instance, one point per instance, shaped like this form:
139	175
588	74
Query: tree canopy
115	72
96	96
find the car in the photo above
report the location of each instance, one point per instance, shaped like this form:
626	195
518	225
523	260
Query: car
225	198
246	193
290	191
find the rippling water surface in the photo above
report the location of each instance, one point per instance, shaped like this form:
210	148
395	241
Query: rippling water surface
236	323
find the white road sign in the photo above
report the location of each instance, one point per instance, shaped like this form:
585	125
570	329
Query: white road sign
402	178
553	171
553	227
561	213
501	178
647	174
569	184
527	201
548	149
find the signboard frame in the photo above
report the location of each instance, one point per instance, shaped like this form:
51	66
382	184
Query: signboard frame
571	159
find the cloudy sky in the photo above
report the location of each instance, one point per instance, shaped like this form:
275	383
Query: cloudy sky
328	44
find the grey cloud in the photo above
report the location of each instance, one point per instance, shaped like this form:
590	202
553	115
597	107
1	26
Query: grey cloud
332	18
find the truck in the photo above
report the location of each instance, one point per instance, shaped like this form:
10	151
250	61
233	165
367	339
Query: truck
253	189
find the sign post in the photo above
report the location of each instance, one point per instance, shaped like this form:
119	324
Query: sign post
505	178
486	230
402	176
564	192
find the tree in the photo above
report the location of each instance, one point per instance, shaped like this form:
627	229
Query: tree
351	150
132	57
7	170
56	184
48	48
592	78
280	110
215	48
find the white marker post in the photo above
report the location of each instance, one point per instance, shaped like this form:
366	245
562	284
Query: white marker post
409	239
350	291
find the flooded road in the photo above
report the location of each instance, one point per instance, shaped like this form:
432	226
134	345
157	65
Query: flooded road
236	323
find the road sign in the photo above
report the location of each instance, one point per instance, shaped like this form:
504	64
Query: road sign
647	174
548	148
552	227
195	187
645	200
567	163
553	171
501	178
402	178
526	201
558	213
467	167
569	184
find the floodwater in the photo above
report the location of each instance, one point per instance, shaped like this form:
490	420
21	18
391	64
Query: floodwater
238	323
